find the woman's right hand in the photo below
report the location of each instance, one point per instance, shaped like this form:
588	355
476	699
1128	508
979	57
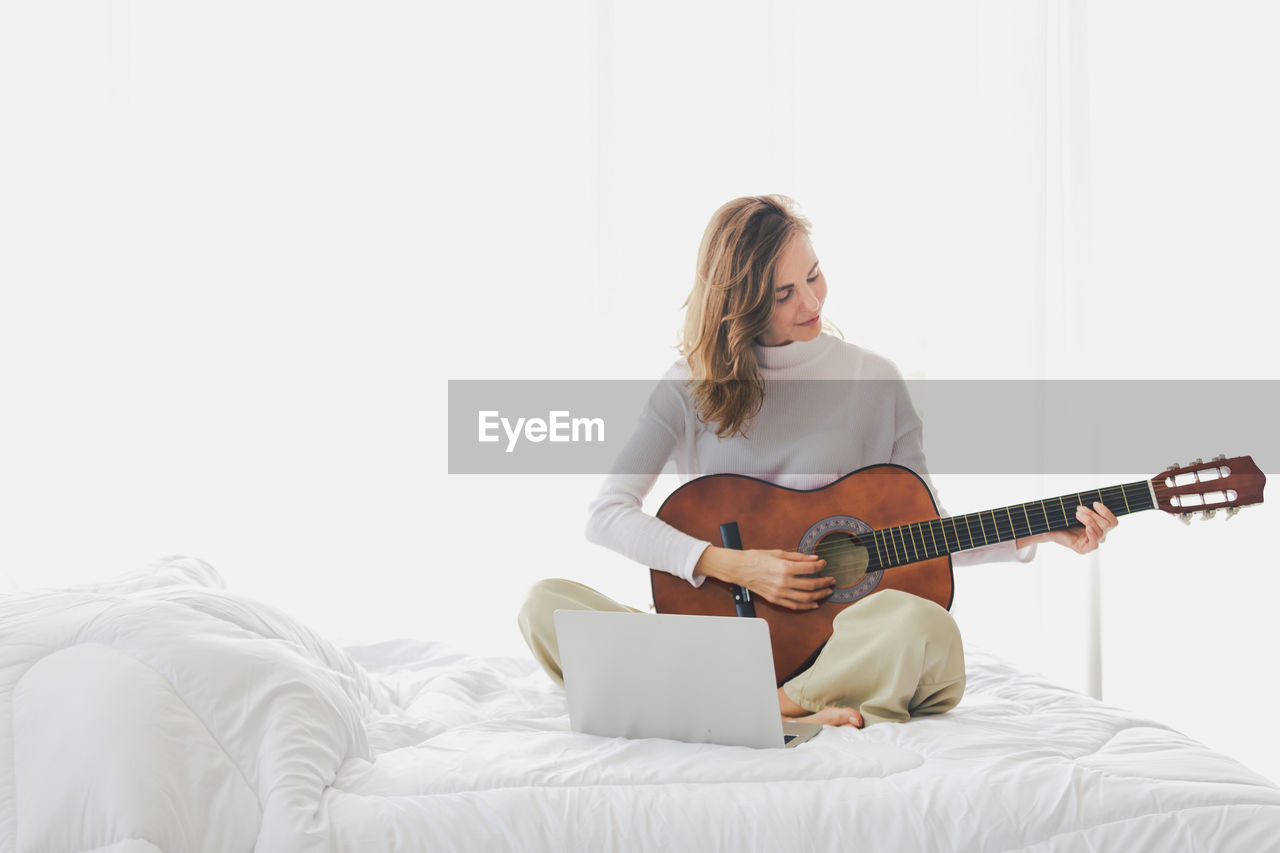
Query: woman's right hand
775	575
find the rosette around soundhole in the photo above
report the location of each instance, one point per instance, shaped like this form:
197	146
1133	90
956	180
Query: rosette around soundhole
839	539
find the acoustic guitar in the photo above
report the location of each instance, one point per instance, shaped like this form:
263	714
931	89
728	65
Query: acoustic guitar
878	528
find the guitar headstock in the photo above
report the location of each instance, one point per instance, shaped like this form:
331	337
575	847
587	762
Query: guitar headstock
1207	487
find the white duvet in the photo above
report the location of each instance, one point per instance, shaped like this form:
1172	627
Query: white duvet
161	712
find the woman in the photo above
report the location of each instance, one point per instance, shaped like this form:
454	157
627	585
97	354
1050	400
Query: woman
753	321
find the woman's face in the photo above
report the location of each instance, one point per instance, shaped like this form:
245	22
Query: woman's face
799	291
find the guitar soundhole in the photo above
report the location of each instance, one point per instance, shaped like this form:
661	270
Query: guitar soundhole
835	539
846	558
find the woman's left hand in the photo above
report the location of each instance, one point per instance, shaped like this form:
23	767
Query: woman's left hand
1097	523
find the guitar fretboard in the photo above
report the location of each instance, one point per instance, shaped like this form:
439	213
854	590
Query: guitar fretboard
926	540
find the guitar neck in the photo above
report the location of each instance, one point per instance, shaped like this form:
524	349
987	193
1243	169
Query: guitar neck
926	540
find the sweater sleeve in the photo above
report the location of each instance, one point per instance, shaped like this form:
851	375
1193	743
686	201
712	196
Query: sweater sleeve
616	519
908	451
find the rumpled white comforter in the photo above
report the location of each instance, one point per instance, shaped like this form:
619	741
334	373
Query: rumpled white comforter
160	712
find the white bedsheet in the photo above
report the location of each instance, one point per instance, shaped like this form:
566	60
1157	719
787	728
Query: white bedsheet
161	712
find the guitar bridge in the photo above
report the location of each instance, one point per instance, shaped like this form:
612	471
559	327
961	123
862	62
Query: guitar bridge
730	538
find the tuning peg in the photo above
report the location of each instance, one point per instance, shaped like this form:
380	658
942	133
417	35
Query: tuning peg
1208	514
1195	462
1184	517
1175	466
1231	512
1221	457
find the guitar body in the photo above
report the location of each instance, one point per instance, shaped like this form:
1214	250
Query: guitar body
770	516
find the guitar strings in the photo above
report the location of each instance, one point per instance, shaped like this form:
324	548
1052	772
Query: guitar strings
908	545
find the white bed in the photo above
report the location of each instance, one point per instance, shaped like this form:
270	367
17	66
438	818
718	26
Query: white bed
162	712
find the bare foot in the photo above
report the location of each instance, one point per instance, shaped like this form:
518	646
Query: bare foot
827	716
831	717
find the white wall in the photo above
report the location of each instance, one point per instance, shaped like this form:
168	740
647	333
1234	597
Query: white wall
1185	272
245	246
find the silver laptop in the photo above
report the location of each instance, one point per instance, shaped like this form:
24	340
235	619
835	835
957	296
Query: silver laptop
699	679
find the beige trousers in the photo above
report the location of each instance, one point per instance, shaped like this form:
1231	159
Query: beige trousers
891	655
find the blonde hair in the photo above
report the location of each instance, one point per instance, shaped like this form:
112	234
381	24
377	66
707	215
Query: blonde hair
731	303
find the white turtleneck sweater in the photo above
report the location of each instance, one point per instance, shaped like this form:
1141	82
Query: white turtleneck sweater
806	435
